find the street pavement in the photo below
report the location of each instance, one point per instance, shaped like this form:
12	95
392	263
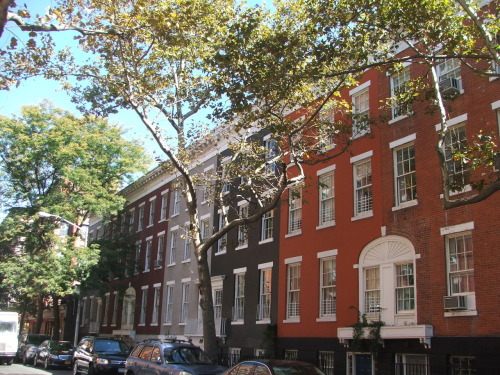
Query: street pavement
18	369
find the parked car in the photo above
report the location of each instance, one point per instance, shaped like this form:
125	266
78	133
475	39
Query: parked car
54	354
273	367
170	357
28	344
100	355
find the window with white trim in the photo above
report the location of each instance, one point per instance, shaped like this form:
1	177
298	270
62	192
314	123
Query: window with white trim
455	140
293	291
131	221
405	287
186	254
267	226
152	206
264	306
412	364
239	297
176	202
137	257
222	242
362	187
156	305
326	199
460	262
164	206
372	290
217	307
147	258
295	210
399	85
326	362
204	228
140	220
405	174
328	286
144	305
271	153
185	302
449	69
326	139
160	249
174	235
114	317
463	365
169	304
243	229
360	111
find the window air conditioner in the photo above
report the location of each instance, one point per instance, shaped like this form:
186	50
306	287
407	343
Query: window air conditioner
449	86
455	302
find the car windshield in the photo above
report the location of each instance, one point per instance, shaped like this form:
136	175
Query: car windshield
296	369
110	346
61	346
186	355
36	340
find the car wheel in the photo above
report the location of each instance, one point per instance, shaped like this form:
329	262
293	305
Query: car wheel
92	370
10	361
46	364
35	360
25	360
75	369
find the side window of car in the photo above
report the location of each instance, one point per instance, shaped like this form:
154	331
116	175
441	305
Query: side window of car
146	353
136	351
245	369
261	370
156	355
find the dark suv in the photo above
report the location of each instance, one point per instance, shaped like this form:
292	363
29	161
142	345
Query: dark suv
100	355
172	357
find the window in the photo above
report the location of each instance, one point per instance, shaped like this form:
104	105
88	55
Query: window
405	175
243	229
264	307
128	309
460	263
140	221
239	296
361	107
399	85
175	206
217	306
326	199
222	242
161	249
144	305
295	210
449	73
137	257
186	254
156	305
411	364
405	287
204	228
164	205
325	134
114	317
130	221
363	187
185	302
267	226
106	310
152	204
328	281
293	291
457	170
326	362
271	154
463	365
169	304
174	234
147	260
372	291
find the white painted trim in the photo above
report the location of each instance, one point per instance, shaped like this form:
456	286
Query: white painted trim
265	265
326	170
457	228
293	260
327	253
240	270
402	141
359	88
362	156
453	121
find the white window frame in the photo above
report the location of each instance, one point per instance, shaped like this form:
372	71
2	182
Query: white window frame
467	257
372	291
114	317
160	249
328	306
222	242
147	257
326	141
267	224
152	209
239	295
454	167
184	301
451	68
295	210
174	241
398	80
293	276
140	219
405	287
176	202
205	227
324	219
405	181
360	109
144	305
271	152
243	229
265	292
137	262
156	304
363	186
131	221
164	205
169	302
186	253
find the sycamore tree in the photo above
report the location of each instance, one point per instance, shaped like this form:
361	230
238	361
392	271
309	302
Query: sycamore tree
52	161
252	71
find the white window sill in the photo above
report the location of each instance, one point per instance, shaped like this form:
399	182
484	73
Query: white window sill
449	314
237	322
162	220
167	324
186	261
466	189
242	247
292	320
150	225
326	225
405	205
170	264
263	321
146	270
266	241
363	215
399	118
293	234
220	252
332	318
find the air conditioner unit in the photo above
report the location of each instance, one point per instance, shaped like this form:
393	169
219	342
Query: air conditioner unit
449	87
455	302
158	263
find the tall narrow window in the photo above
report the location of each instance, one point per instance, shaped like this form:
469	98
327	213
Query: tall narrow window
186	254
271	153
328	296
151	217
130	221
174	234
164	205
147	258
293	291
243	229
185	302
406	180
267	226
106	310
169	304
144	305
405	287
460	264
239	297
363	187
156	305
372	291
295	210
161	249
205	228
264	307
449	74
217	294
222	242
399	85
326	199
455	140
176	203
140	219
137	257
114	317
361	108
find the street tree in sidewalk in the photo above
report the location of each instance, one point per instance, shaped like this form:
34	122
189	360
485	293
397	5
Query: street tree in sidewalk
53	161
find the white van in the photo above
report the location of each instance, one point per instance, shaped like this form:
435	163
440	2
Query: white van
8	336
